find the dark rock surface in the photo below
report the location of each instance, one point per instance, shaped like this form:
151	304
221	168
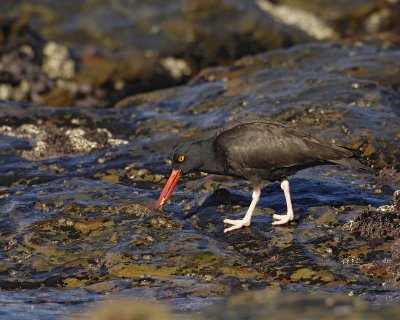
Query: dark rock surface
126	46
353	18
78	186
383	223
78	181
278	305
153	45
316	86
256	305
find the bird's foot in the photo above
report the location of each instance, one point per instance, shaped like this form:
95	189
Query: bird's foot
282	219
236	224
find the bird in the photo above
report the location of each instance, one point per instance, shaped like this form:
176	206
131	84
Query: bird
260	151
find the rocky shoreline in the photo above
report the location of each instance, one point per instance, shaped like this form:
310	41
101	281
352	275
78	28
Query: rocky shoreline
86	134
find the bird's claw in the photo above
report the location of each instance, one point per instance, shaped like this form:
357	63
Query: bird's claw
282	219
236	224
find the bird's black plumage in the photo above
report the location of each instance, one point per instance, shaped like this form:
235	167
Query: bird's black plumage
258	151
267	151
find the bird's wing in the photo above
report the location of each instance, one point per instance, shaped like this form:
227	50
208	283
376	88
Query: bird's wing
269	145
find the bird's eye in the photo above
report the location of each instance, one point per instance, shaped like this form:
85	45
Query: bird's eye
181	158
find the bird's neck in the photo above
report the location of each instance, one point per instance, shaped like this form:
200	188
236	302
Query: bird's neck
208	156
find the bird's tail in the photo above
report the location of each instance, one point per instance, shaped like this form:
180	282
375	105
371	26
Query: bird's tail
355	160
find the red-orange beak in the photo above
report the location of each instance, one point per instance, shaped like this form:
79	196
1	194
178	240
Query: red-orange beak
168	189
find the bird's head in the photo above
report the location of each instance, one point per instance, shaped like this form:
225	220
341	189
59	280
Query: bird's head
187	157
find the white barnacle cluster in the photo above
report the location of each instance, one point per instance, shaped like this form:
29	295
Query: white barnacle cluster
15	91
178	68
79	138
304	20
348	226
34	133
59	66
57	62
79	142
113	142
387	208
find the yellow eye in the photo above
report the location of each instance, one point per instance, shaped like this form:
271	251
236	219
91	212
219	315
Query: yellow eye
181	158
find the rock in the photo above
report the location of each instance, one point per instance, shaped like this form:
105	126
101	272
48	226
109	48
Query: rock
293	85
377	224
167	47
32	69
353	19
391	177
129	270
78	185
169	43
57	62
384	222
254	306
128	309
277	304
49	142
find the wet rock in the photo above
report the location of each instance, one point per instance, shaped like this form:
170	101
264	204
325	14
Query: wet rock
377	224
394	267
34	70
169	43
85	216
160	222
75	241
207	220
173	29
383	223
166	47
323	217
57	63
389	176
355	19
293	85
126	268
50	142
255	305
128	309
223	197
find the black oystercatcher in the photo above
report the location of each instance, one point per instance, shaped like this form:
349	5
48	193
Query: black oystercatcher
260	151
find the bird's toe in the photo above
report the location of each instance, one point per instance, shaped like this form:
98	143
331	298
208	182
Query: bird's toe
236	224
230	221
281	219
231	228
